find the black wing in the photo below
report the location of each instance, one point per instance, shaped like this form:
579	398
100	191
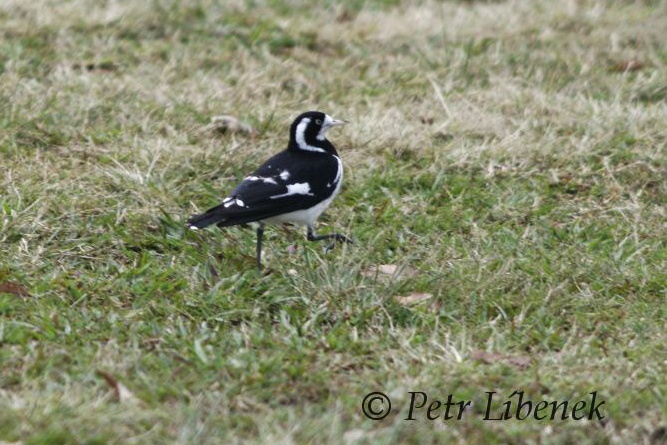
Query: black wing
285	183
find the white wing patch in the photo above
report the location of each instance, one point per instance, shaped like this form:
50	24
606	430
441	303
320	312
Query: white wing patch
299	188
259	178
230	201
301	137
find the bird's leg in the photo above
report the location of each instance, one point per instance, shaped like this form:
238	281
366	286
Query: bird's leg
335	236
260	235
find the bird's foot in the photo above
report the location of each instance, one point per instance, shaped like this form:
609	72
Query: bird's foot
337	238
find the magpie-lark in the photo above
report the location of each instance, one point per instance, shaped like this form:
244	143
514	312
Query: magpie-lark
294	186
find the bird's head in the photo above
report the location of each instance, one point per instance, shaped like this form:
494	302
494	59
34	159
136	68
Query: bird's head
308	132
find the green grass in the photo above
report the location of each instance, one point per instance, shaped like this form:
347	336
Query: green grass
497	155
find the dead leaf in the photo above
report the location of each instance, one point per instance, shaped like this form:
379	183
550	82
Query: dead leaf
627	65
105	65
345	15
489	358
152	343
8	287
121	393
413	298
389	271
226	123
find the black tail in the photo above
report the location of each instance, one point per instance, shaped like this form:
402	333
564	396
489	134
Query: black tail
206	219
223	217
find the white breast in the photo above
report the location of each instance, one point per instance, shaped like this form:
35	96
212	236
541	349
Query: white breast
307	217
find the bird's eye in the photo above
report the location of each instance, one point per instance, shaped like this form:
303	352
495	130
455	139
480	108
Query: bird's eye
318	121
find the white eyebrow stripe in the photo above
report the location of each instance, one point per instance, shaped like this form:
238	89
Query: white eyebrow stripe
328	120
301	137
299	188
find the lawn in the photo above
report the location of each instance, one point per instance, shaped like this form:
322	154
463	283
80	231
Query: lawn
505	168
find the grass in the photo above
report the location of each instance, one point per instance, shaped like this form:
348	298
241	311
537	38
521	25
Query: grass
508	158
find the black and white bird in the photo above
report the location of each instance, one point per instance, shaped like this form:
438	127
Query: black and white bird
294	186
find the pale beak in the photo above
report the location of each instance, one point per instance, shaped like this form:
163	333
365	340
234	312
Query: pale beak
336	122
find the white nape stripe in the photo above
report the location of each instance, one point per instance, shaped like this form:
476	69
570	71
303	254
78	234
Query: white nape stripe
299	188
301	137
284	175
